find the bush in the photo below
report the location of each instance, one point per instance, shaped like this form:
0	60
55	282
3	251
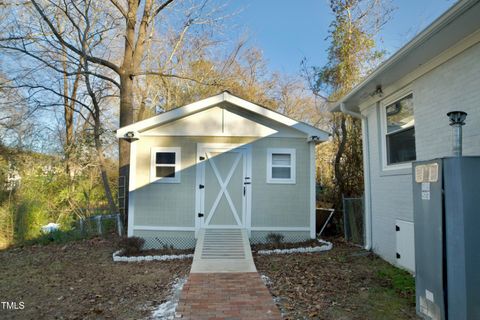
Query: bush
131	245
275	238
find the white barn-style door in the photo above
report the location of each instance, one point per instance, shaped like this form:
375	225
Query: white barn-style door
223	186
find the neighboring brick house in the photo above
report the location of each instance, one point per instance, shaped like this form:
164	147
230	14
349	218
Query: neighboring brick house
403	106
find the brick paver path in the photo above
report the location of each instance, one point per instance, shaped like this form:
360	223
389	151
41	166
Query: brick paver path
232	296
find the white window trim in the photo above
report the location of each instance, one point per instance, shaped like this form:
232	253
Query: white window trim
178	161
292	153
383	124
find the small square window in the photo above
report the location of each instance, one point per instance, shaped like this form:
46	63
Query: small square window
281	166
165	166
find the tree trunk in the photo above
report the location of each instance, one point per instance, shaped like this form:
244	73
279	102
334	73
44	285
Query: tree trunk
342	136
98	143
68	117
126	118
103	167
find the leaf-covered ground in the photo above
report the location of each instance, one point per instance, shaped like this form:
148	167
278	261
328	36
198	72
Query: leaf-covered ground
80	281
345	283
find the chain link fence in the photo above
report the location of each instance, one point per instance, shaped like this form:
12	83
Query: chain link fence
353	220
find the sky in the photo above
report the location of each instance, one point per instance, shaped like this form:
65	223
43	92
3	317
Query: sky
286	31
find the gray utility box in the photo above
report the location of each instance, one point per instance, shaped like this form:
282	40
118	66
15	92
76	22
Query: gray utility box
446	197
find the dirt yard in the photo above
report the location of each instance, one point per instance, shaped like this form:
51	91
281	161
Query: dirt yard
346	283
80	281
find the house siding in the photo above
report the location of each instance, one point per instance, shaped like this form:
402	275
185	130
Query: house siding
453	85
173	204
280	205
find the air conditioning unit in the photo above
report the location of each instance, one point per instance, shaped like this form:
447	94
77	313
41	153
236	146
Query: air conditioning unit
446	195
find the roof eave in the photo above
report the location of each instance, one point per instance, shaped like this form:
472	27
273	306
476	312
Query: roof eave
436	26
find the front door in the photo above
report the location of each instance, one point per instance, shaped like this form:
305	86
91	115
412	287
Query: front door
222	187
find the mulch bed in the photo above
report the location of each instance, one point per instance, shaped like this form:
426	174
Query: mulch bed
80	281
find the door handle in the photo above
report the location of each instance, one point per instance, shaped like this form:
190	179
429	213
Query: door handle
200	215
244	189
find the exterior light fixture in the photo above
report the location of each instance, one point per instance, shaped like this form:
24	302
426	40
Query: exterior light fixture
130	136
457	119
378	92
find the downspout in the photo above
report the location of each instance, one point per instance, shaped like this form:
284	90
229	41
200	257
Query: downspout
366	174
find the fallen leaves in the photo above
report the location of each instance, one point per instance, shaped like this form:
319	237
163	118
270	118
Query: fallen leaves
330	285
80	281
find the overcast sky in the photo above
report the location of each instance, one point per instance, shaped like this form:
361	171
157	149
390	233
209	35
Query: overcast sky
287	30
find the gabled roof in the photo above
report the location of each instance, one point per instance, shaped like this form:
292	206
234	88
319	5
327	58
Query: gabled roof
458	22
178	113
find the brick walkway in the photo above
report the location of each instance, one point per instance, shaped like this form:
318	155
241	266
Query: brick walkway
232	296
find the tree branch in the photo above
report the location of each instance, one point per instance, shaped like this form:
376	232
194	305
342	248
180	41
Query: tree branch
120	8
59	37
161	7
176	76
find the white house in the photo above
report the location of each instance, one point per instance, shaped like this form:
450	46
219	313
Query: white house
403	106
221	162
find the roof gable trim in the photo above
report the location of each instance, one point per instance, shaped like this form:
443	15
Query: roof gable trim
207	103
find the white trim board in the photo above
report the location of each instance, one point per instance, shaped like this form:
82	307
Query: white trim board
177	165
138	127
313	200
163	228
383	128
307	229
292	166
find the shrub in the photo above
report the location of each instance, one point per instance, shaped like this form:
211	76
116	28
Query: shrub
131	245
275	238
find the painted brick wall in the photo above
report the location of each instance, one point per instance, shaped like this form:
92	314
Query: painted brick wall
455	85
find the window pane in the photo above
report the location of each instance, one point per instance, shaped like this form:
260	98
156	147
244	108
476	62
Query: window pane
165	158
281	159
400	114
401	146
280	173
165	172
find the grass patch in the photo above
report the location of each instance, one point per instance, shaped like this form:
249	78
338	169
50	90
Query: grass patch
400	281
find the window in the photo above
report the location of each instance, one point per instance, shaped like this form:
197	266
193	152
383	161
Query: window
400	131
281	166
165	165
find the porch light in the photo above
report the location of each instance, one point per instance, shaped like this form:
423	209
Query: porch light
130	136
